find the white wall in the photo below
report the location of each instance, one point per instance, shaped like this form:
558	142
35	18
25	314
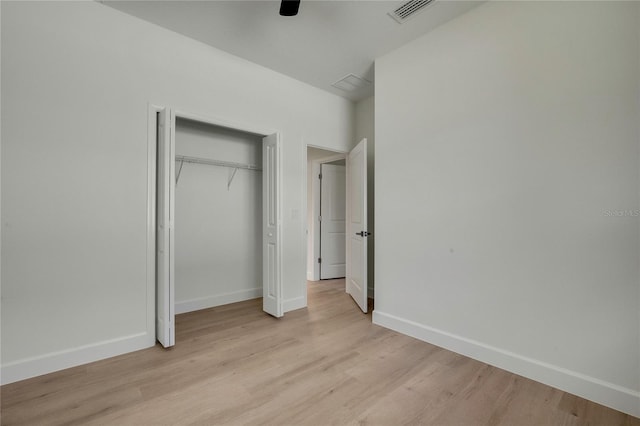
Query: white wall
365	128
77	78
218	234
507	192
0	197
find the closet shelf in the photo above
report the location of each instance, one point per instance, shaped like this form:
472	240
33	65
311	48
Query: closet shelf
210	162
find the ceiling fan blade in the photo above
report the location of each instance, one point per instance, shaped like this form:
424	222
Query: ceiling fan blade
289	7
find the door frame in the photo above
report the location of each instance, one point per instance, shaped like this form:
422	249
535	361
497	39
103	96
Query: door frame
314	233
152	110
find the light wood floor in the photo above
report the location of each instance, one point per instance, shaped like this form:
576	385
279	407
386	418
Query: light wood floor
323	365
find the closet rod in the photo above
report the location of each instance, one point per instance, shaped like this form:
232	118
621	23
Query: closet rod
211	162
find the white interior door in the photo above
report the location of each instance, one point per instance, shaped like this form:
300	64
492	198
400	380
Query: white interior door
271	240
332	223
357	224
166	183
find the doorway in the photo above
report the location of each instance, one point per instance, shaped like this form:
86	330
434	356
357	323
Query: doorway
337	218
326	176
165	168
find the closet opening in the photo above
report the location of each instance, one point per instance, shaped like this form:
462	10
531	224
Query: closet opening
218	216
215	193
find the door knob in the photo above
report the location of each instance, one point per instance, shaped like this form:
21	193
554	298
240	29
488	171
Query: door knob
363	233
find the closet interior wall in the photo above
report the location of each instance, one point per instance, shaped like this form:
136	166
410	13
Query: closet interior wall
218	226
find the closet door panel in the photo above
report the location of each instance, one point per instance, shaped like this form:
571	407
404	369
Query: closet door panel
272	285
165	311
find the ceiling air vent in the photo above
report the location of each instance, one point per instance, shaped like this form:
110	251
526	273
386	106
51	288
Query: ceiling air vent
408	9
351	83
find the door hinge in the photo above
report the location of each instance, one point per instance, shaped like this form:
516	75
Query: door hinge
320	176
319	218
319	260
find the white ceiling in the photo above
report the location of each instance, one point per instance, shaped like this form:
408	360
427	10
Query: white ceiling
326	41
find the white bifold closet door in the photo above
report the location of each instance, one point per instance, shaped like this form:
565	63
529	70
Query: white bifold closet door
271	243
165	242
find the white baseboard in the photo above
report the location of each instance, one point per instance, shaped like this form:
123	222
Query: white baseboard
293	304
217	300
55	361
609	394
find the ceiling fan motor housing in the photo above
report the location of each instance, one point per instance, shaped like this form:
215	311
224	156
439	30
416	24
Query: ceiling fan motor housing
289	7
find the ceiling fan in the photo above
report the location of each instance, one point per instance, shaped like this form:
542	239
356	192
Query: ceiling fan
289	7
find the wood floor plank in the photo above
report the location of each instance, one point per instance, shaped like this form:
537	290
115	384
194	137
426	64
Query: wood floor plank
323	365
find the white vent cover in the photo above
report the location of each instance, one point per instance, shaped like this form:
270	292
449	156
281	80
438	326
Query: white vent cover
351	82
409	8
